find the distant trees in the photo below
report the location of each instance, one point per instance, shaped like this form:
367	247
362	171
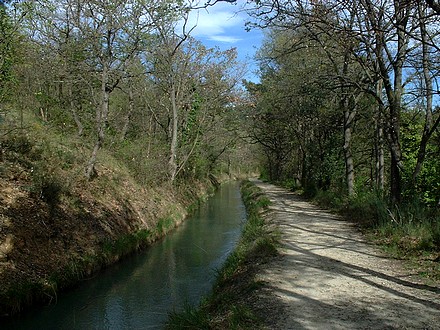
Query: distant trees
378	60
101	36
197	89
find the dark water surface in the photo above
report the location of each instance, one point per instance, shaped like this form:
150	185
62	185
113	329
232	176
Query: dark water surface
139	292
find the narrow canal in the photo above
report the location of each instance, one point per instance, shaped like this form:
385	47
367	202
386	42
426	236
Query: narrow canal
139	292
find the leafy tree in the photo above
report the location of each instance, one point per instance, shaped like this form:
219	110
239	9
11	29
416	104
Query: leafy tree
127	77
383	43
8	54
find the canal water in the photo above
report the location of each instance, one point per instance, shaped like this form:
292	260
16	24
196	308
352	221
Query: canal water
140	292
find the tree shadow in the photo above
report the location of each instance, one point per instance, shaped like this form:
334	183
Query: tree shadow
360	295
313	260
298	311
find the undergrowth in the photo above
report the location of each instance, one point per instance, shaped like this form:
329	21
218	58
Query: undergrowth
228	306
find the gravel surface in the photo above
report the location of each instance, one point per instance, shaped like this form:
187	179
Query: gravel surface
329	277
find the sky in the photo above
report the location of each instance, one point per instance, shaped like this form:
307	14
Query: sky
223	25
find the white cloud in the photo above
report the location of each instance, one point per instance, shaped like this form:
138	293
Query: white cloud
223	26
214	23
226	39
218	23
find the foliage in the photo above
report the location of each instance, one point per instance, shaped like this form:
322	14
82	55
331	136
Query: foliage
296	119
113	91
427	188
126	245
8	40
409	229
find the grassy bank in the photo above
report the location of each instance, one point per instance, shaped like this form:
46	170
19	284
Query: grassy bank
68	256
230	305
57	228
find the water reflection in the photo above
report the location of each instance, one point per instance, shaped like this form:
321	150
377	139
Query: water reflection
139	292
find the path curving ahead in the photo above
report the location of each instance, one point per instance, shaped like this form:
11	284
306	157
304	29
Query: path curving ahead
329	277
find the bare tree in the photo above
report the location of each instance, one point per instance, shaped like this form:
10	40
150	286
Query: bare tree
428	92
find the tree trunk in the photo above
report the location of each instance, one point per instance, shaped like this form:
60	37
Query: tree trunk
101	122
174	130
428	129
396	153
380	162
402	14
75	116
396	188
348	157
380	157
393	88
130	112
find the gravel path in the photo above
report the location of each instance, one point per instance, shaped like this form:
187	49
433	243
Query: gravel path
329	277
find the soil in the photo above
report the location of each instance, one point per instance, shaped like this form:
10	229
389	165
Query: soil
329	277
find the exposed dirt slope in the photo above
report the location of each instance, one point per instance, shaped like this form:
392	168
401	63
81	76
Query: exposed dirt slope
329	277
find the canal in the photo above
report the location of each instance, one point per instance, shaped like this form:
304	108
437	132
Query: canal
140	291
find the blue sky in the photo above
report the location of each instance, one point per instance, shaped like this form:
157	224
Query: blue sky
223	25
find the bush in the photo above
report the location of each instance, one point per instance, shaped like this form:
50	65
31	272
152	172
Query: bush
331	199
411	228
408	229
367	208
48	188
17	143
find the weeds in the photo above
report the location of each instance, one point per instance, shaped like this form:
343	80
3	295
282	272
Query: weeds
164	225
126	245
189	318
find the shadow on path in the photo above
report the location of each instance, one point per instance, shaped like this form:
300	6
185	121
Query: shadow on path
328	277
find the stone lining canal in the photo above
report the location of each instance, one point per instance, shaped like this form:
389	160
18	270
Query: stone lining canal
140	292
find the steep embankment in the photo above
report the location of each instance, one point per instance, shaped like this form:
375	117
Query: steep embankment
56	227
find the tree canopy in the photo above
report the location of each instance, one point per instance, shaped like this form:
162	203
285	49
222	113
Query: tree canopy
340	81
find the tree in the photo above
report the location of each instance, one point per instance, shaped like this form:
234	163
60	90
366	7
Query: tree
430	125
8	40
336	47
190	76
295	116
125	73
434	5
112	33
381	39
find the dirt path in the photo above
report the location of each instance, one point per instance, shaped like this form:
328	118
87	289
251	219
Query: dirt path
328	277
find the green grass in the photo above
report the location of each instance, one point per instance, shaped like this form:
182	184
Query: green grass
162	224
126	244
228	307
28	292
